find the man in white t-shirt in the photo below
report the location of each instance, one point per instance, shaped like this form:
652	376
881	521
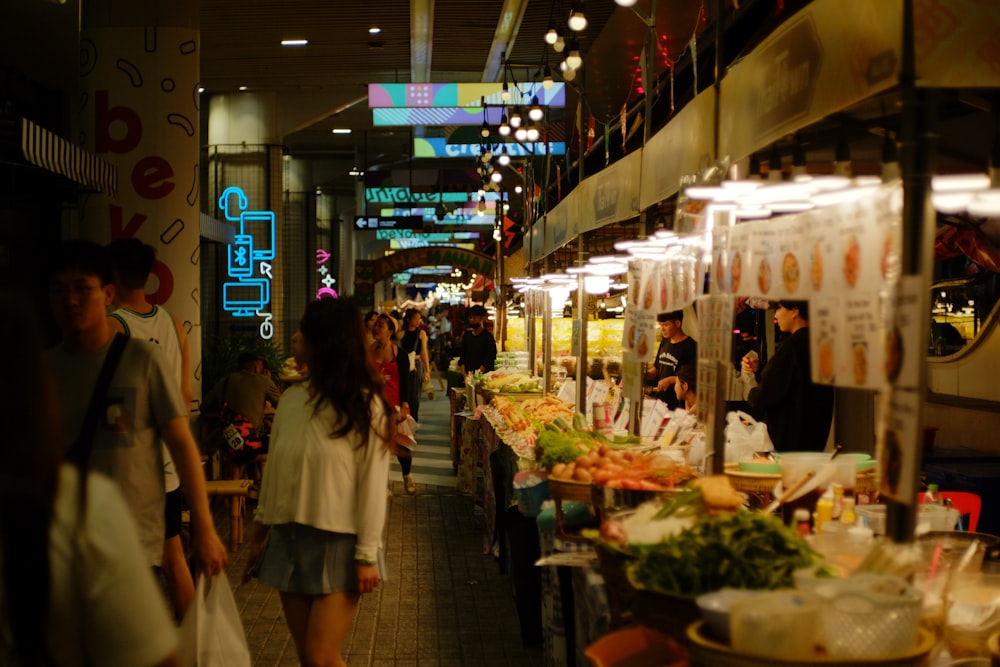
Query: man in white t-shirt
143	404
132	261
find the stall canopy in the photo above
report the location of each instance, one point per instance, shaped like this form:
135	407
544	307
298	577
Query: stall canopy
47	150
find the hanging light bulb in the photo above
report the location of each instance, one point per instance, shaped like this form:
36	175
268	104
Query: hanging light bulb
521	134
485	132
496	234
532	134
574	60
515	118
504	159
482	204
504	128
487	155
559	45
518	189
547	82
625	3
496	177
577	20
505	92
535	113
551	36
569	74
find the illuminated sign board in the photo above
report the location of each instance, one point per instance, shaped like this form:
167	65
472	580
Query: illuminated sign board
249	260
406	244
403	95
403	195
439	147
326	278
379	222
389	234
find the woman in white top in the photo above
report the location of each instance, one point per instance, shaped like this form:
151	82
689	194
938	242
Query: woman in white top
75	587
322	499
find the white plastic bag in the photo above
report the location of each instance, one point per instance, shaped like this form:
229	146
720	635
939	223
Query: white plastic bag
212	632
745	436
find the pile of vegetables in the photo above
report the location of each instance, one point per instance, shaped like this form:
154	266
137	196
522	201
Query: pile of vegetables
740	550
509	381
561	442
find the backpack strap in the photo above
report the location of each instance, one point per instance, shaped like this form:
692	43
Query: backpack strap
79	452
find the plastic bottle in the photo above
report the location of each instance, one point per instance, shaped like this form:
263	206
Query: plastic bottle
838	501
801	521
824	511
847	516
932	496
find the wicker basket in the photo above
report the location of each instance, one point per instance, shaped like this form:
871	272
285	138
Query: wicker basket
707	653
564	489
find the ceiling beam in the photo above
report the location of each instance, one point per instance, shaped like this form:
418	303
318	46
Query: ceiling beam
503	38
421	34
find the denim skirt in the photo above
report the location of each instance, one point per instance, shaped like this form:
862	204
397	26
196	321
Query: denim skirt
310	561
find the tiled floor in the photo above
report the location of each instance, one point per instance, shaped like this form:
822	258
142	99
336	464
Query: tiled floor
445	602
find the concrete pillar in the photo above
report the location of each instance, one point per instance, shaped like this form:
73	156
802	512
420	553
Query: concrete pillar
139	109
244	151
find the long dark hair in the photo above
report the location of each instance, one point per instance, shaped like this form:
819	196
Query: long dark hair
339	372
29	476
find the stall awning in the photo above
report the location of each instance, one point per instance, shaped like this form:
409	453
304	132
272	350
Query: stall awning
53	153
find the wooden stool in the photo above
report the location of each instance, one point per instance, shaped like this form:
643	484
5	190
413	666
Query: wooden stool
236	490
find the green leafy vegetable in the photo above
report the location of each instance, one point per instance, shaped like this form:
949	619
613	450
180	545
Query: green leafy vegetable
740	550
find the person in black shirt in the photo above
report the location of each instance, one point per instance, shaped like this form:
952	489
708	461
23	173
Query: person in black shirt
676	349
797	412
479	350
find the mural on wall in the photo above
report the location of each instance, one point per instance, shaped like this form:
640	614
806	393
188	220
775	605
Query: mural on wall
139	110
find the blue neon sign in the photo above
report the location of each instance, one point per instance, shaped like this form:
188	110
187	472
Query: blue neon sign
249	260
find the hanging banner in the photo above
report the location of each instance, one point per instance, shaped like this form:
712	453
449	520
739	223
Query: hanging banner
411	95
610	195
820	61
684	146
957	43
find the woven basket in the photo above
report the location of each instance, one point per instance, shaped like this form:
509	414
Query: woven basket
563	489
707	653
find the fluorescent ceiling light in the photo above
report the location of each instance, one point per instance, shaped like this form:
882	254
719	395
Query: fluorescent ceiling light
294	42
374	30
957	182
243	87
341	130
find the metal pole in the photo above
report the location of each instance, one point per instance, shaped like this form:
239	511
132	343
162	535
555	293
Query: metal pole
917	157
529	328
651	83
546	304
581	363
501	309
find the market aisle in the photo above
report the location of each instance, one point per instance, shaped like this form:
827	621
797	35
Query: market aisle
445	603
431	458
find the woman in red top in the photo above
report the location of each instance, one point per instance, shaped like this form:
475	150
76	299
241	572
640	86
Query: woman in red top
393	364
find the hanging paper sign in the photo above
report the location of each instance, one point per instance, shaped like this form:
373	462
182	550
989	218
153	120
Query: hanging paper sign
789	279
896	448
827	347
715	328
905	344
865	332
764	253
824	253
739	257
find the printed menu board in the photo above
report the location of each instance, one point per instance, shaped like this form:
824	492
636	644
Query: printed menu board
826	339
763	259
789	258
715	327
739	257
824	250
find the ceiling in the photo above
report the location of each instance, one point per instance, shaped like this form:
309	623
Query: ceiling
324	85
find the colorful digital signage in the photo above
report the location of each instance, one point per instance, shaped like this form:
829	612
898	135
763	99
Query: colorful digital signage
249	260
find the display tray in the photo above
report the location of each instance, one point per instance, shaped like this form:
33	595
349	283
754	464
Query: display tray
565	489
705	652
